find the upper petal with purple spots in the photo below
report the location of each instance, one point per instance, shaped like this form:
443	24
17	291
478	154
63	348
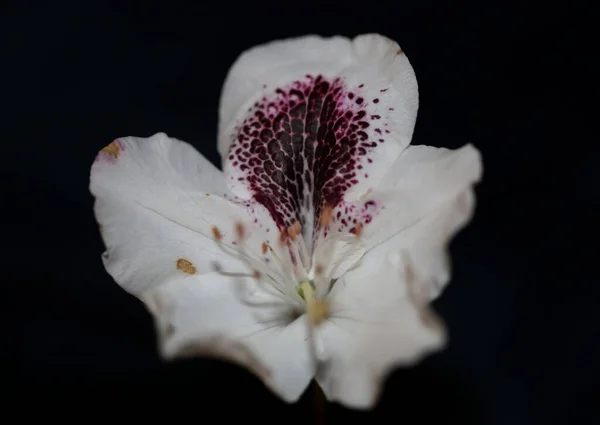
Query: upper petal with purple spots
304	145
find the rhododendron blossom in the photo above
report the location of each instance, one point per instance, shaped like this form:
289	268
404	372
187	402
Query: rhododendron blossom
316	251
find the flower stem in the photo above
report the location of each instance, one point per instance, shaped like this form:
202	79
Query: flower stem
320	404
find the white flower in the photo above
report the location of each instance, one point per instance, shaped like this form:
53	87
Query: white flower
317	251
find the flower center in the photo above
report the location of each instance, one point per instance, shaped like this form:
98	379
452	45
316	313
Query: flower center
292	274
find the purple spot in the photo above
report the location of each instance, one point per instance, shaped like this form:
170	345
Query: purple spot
301	146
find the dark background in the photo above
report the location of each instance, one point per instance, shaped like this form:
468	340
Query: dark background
522	308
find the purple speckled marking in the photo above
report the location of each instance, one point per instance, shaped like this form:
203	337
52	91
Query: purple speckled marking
301	146
348	215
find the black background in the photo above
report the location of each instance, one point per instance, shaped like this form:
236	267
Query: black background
522	309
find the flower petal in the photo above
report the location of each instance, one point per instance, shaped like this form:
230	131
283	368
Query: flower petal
428	239
157	200
422	180
313	120
378	321
421	203
335	255
213	315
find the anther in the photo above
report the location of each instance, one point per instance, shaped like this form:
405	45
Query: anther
326	216
294	230
358	230
217	234
283	237
240	231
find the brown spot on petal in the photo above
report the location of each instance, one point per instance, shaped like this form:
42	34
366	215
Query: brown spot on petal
399	51
112	149
186	266
264	248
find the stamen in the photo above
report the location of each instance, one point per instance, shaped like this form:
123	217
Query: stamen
288	269
358	230
287	289
217	267
294	230
232	274
320	281
217	234
325	216
257	267
240	231
296	256
256	275
304	257
283	237
297	242
277	260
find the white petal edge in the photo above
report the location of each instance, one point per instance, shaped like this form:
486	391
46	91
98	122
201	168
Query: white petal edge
379	321
156	200
429	238
371	60
422	202
422	180
233	319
